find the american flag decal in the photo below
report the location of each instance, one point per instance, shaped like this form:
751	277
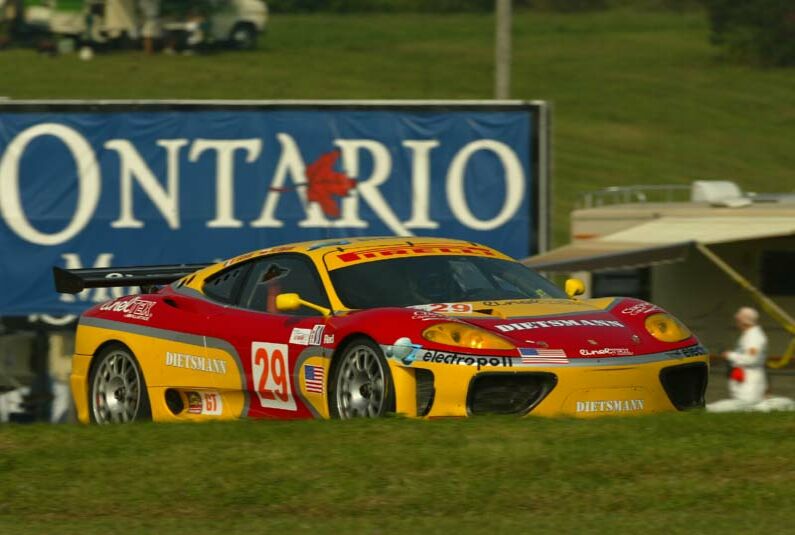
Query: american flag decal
313	378
543	356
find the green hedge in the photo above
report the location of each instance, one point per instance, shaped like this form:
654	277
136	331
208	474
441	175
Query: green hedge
450	6
359	6
759	31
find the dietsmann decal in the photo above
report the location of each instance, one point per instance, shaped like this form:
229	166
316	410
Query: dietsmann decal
527	325
613	405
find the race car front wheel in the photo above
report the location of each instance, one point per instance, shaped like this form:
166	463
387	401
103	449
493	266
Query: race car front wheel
361	385
118	390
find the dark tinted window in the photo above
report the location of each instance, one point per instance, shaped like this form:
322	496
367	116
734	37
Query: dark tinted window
623	282
777	273
438	279
272	276
222	286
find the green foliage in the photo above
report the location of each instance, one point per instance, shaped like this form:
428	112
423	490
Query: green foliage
761	31
565	6
463	6
376	6
660	5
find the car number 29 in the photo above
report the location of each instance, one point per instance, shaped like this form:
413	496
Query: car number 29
270	369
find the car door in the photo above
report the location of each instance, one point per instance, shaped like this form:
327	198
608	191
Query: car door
271	346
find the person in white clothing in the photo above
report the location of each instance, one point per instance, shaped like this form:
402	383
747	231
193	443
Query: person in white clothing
748	379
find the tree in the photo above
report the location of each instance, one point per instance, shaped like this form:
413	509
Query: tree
761	31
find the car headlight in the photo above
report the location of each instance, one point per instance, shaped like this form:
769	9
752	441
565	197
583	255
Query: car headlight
666	328
462	335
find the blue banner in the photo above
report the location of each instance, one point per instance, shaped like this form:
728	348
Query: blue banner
140	186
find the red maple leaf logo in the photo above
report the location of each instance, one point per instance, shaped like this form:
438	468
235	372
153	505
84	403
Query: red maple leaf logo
324	183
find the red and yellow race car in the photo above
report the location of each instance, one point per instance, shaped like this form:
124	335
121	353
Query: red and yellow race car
362	327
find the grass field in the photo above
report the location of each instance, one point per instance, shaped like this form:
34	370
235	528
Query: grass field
639	96
676	473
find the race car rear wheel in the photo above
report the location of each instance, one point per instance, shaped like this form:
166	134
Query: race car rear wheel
118	390
361	385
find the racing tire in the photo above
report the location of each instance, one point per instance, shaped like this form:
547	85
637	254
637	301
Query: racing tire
117	389
243	37
361	384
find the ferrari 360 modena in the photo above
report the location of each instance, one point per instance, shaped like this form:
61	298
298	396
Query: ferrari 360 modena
363	327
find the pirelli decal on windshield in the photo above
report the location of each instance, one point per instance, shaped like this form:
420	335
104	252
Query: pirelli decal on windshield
378	253
547	324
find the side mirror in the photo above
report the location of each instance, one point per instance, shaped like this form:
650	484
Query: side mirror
288	302
292	301
574	287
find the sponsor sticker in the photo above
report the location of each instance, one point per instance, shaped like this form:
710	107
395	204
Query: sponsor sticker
131	307
509	302
423	315
328	339
193	362
640	308
542	299
307	337
300	337
546	324
209	403
316	336
194	403
612	405
606	352
460	308
543	356
313	379
466	360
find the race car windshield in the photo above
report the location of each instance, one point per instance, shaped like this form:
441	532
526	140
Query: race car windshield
423	280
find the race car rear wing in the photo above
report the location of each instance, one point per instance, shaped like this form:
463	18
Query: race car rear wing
72	281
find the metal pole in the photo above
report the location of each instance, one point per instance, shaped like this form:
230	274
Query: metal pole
502	78
767	304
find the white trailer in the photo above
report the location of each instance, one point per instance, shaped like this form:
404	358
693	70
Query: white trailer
700	251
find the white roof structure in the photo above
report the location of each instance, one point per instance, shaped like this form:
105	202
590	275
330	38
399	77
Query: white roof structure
665	239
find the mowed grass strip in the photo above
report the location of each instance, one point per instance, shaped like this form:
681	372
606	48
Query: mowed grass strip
640	97
661	474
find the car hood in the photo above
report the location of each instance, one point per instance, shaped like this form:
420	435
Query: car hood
519	308
582	329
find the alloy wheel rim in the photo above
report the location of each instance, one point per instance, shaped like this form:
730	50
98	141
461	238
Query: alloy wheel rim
116	390
360	384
